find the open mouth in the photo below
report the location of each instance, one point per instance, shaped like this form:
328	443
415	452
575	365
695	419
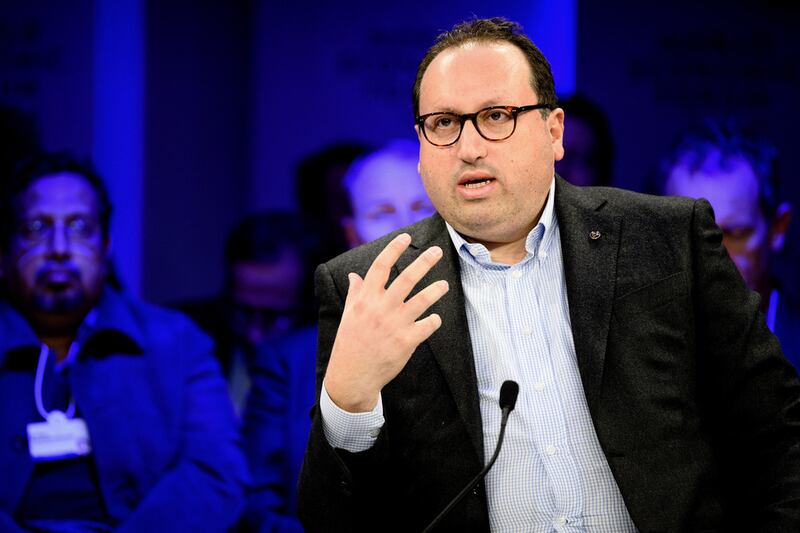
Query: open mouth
477	184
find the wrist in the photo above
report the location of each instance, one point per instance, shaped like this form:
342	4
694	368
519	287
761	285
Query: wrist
349	397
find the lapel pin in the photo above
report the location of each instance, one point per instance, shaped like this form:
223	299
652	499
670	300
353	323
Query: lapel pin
594	234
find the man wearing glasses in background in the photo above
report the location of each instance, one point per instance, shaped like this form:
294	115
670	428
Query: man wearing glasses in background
652	395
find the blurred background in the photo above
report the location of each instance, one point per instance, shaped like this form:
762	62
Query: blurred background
198	113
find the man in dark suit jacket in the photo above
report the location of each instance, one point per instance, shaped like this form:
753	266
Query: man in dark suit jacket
694	412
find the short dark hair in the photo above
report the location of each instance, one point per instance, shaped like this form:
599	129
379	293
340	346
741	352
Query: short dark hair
263	236
496	29
46	164
726	137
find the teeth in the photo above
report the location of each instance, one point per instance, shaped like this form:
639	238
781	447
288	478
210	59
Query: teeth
476	184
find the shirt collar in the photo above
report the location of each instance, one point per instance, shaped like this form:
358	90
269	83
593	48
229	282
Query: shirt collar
539	237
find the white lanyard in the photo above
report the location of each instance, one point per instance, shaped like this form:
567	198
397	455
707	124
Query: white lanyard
37	387
772	311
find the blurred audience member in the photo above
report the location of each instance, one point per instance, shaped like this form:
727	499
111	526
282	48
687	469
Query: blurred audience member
385	192
268	292
115	410
321	197
588	147
739	177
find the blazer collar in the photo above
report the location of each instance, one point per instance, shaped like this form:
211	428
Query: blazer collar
590	236
451	344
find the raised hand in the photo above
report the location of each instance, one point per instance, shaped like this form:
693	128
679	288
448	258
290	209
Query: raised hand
379	329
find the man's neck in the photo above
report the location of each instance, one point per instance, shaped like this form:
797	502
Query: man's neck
57	332
508	253
58	345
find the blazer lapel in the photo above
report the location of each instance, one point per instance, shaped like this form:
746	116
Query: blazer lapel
451	344
589	243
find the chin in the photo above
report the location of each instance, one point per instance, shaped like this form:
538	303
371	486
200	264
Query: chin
60	304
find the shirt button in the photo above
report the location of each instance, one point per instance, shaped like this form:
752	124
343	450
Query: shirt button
543	255
560	521
539	386
374	432
527	331
550	450
517	274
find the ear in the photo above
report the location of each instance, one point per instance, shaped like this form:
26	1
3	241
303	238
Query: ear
779	227
350	233
555	127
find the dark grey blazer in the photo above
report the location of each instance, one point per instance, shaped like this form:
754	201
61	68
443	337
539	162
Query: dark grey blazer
696	409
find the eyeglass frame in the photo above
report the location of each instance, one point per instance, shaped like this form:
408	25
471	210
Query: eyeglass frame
472	117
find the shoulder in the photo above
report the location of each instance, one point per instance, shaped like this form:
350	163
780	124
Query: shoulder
637	210
149	324
630	203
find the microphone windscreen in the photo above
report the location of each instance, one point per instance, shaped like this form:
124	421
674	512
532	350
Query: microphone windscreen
508	395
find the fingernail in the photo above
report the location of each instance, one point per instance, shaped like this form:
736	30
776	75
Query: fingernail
405	238
435	251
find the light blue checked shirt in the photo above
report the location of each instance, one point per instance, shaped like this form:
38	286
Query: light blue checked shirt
551	474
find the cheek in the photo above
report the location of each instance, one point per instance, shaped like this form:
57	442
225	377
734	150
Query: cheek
27	261
90	259
371	229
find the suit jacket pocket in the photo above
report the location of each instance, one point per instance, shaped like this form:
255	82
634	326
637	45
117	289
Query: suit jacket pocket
653	295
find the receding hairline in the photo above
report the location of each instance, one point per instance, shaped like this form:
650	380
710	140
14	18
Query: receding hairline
487	41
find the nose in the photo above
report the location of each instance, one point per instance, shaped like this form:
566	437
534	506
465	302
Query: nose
471	146
59	241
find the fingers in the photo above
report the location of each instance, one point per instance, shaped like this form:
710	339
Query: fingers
353	289
378	273
424	328
413	273
425	298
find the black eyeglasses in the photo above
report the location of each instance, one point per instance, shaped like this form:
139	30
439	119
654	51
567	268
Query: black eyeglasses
493	123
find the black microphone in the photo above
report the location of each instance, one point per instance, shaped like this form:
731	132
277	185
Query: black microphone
508	399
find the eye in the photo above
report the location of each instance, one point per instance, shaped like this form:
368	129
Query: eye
443	122
497	116
421	206
33	229
81	226
381	211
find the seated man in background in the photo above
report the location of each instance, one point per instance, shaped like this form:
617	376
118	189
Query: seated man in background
267	293
385	192
739	177
116	411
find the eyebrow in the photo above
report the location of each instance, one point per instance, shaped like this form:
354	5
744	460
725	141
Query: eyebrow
451	110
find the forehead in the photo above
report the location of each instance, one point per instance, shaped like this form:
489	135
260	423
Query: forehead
730	185
476	74
386	177
58	194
